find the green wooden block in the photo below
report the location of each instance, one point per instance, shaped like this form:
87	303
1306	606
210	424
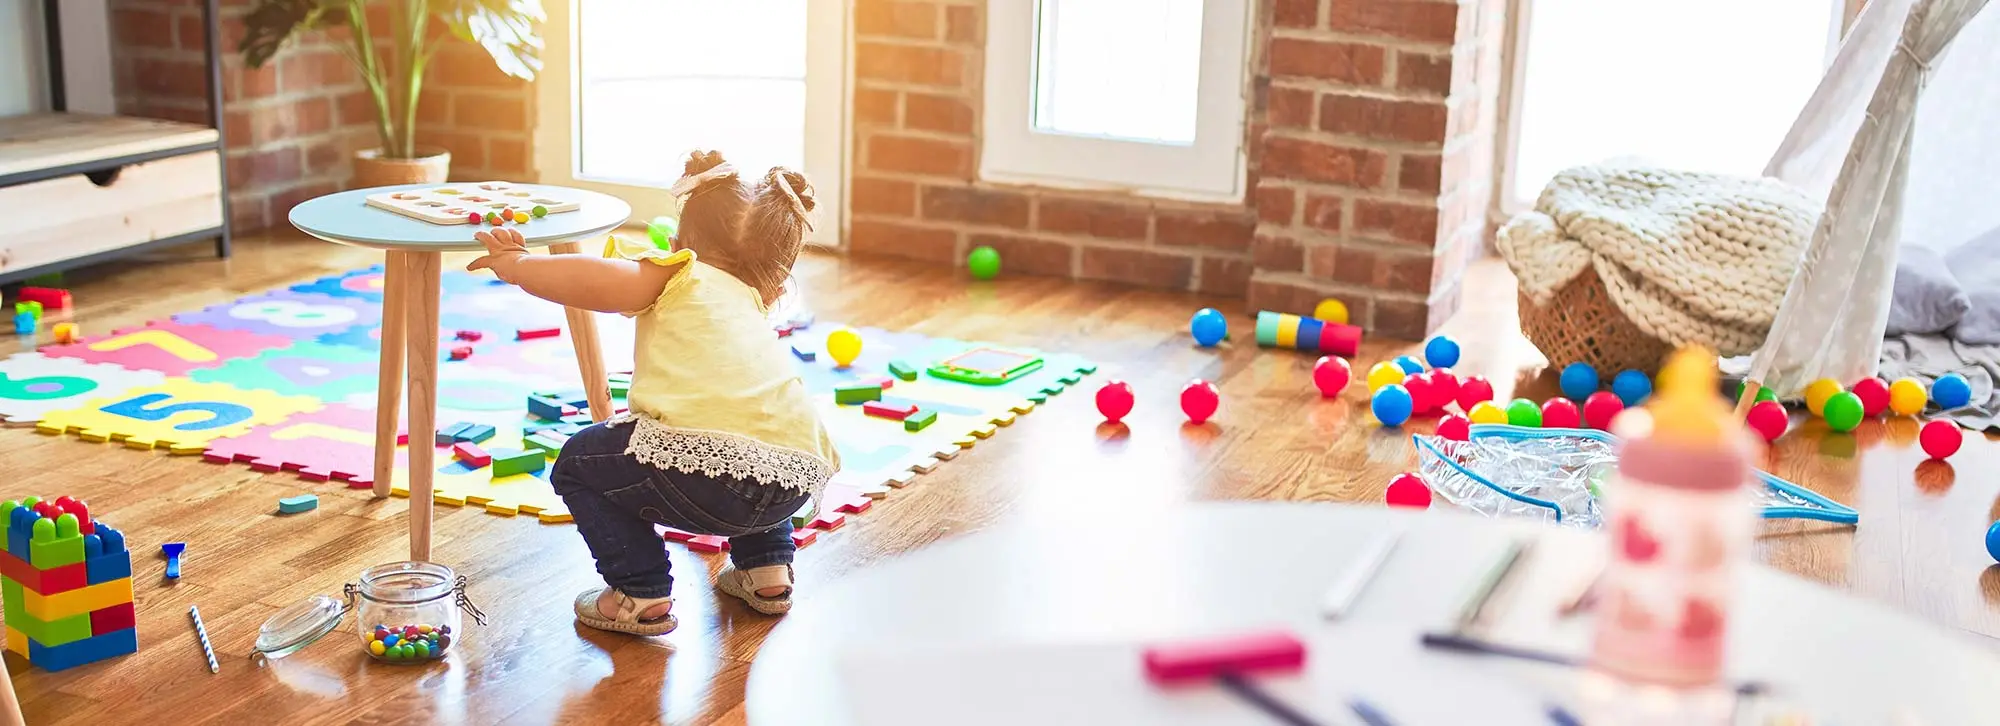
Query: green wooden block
619	390
52	632
857	394
804	516
902	370
509	463
920	420
549	443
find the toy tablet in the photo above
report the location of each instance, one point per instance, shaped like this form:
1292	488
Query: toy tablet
456	203
986	366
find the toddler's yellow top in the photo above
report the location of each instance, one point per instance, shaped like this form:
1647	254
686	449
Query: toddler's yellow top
713	391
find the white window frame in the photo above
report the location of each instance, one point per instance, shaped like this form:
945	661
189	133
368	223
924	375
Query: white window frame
1213	168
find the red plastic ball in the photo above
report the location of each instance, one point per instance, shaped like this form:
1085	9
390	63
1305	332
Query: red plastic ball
1940	438
1600	408
1408	490
1199	400
1472	390
1114	400
1874	395
1445	383
1455	427
1768	419
1560	413
1331	375
1423	395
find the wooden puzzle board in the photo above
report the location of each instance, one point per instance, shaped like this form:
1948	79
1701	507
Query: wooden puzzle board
455	203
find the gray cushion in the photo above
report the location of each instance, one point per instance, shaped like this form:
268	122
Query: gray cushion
1927	297
1976	265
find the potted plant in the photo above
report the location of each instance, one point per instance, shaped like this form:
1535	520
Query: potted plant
392	49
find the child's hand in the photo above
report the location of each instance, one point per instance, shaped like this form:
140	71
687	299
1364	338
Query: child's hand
504	247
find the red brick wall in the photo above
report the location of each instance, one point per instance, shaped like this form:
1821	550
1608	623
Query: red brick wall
1378	157
914	191
485	118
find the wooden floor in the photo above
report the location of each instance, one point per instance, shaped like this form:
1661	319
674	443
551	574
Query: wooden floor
1918	548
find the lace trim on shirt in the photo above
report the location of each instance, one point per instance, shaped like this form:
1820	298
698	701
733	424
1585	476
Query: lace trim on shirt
718	453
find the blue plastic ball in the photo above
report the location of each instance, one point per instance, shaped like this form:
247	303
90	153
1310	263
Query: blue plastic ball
1409	364
1391	404
1441	352
1208	327
1632	387
1579	380
1993	541
1951	391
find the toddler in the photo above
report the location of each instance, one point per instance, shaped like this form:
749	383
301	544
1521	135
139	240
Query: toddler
721	438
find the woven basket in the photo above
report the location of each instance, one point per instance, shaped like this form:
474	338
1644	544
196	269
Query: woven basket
1582	324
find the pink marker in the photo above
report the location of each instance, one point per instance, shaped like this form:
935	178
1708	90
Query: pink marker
1274	651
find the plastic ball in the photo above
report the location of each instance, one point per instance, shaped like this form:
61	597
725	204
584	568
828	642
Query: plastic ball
1199	400
1523	412
1114	400
843	346
540	211
1874	395
1409	364
983	263
474	218
1940	438
1455	427
1408	490
1208	327
1391	405
1631	386
1951	391
1382	374
1484	412
1817	392
1446	384
1993	541
1441	352
1331	311
1764	393
1600	408
661	230
1578	380
1561	413
1907	397
1768	419
1472	390
1331	375
1842	411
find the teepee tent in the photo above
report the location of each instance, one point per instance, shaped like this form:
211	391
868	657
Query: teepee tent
1902	140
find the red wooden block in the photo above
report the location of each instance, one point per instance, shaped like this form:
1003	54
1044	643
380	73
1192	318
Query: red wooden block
803	537
471	454
885	382
1210	657
461	352
402	438
533	333
51	298
1340	340
708	543
676	535
888	411
784	331
112	619
470	335
828	521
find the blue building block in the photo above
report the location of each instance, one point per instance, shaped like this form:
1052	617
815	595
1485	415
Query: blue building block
108	567
535	428
114	540
804	354
17	542
300	503
545	406
449	435
82	652
475	433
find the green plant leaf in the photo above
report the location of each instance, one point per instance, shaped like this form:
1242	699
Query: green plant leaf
505	29
271	24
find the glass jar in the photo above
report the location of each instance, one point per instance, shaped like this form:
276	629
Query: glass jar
405	612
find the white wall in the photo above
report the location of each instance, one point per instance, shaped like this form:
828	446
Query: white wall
86	56
21	73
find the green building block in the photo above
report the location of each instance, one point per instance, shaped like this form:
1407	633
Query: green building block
10	598
857	394
920	420
902	370
549	443
55	543
509	463
51	632
804	516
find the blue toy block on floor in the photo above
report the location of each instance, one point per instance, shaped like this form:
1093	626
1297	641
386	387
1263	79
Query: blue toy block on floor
545	406
449	435
88	650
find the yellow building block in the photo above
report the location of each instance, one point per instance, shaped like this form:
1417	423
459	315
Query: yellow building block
17	642
80	601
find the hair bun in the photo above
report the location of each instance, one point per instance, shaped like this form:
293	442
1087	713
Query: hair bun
699	161
797	183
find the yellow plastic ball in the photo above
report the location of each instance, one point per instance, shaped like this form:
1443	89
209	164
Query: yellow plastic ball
1818	391
1907	397
1484	412
1382	374
1331	310
843	346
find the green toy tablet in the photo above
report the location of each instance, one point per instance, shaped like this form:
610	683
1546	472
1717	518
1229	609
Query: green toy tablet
986	366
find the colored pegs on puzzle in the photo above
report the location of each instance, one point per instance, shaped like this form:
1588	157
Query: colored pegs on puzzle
65	333
53	298
24	323
67	584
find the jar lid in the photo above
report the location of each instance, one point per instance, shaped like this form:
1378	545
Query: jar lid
298	625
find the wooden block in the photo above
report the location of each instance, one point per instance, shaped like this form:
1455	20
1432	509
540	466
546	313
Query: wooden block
858	394
883	410
676	535
533	333
470	336
902	370
884	382
545	406
509	463
579	420
919	421
471	454
549	443
461	352
65	333
707	543
804	353
475	433
449	435
47	297
1270	652
300	503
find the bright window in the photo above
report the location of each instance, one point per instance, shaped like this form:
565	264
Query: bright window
1139	95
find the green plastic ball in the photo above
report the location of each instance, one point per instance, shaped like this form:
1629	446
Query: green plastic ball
661	229
984	263
1523	412
1843	411
1766	394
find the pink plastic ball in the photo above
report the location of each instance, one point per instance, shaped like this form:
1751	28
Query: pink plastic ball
1768	419
1331	375
1423	395
1445	383
1940	438
1455	427
1560	413
1199	400
1472	390
1114	400
1600	408
1408	490
1874	395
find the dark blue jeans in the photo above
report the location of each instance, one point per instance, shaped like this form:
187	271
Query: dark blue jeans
616	500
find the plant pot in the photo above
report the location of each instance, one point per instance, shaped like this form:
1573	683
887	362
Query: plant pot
432	165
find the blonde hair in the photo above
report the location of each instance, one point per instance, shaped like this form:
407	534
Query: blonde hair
753	232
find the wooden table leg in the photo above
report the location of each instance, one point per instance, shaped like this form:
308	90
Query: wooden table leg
422	346
389	387
589	355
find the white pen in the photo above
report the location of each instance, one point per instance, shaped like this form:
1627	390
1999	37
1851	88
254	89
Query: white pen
1366	565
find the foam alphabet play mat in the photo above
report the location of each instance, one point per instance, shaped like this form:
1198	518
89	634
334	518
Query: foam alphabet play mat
285	380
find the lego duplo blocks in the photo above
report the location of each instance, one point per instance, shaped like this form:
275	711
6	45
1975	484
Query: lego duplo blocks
65	584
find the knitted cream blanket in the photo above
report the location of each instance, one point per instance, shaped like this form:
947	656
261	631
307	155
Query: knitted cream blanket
1690	258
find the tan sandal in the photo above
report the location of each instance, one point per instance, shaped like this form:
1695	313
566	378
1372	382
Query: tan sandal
627	620
744	585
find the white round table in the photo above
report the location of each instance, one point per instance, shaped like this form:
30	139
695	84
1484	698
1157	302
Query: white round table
1044	621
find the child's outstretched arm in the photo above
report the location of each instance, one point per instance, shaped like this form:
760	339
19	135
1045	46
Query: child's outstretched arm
578	281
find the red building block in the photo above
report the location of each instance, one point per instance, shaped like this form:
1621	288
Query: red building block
471	336
676	535
889	411
708	543
471	454
51	298
45	582
112	619
533	333
461	352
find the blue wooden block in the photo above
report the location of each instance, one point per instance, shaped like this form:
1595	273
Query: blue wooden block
804	354
578	420
475	433
535	428
545	406
83	652
567	429
108	567
577	401
300	503
449	434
